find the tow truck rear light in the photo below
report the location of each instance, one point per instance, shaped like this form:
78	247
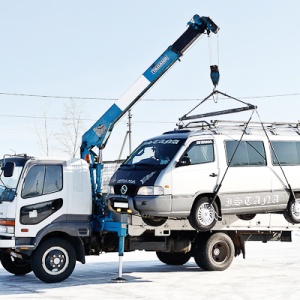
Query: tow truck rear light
87	158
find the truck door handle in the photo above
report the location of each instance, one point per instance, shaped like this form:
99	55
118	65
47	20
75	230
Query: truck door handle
213	175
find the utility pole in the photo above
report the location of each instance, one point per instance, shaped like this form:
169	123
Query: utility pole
128	133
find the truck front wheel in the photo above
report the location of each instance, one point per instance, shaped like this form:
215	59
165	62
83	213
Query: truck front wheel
216	254
14	265
54	260
173	258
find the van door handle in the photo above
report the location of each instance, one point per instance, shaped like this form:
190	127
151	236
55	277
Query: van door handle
213	175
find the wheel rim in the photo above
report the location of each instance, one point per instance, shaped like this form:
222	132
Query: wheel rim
206	214
296	209
55	261
220	252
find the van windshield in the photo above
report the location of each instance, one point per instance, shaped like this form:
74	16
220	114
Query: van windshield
154	152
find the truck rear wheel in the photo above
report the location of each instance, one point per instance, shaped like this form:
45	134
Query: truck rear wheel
173	258
14	265
216	254
54	260
203	215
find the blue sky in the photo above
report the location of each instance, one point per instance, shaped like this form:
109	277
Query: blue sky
97	49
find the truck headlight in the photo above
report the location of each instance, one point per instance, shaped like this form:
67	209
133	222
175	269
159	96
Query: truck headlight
7	229
150	190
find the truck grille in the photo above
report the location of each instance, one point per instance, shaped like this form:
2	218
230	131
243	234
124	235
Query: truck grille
131	189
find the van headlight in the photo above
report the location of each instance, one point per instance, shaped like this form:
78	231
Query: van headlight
111	189
150	191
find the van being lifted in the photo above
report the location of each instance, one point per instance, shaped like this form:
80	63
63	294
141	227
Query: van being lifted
205	171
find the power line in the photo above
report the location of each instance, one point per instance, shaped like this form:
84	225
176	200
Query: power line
62	118
160	99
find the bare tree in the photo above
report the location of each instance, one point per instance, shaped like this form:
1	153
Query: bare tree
70	136
44	134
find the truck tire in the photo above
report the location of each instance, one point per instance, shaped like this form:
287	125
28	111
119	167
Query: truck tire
14	265
173	258
53	260
216	254
292	213
203	215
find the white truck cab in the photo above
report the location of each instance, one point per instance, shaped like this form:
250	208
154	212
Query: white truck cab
39	195
205	173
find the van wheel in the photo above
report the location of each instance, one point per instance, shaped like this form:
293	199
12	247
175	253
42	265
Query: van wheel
216	254
14	265
173	258
154	221
292	213
53	260
246	217
203	215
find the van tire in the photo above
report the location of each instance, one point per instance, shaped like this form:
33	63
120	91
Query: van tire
246	217
53	260
292	213
203	215
154	221
216	254
173	258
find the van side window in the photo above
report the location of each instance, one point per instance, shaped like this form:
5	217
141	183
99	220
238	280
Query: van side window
288	153
201	152
248	153
42	180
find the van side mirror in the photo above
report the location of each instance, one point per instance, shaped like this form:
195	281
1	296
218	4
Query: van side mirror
9	169
184	161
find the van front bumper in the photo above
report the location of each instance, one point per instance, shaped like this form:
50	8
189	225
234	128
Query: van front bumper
141	205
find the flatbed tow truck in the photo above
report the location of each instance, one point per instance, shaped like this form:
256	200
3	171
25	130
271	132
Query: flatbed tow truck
53	212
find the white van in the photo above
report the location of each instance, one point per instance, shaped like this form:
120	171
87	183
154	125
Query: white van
206	172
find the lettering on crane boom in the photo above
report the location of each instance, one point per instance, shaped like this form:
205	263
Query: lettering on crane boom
160	64
99	130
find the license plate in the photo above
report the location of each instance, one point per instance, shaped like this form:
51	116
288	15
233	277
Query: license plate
121	205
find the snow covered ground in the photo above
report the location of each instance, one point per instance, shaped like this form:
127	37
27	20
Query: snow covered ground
270	271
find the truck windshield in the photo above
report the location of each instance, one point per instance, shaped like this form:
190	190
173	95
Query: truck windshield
154	152
8	185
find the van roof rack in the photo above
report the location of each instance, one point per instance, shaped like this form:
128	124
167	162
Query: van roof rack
220	126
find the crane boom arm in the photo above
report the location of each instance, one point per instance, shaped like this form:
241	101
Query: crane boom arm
99	133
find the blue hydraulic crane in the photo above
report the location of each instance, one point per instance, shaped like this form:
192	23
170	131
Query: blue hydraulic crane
97	136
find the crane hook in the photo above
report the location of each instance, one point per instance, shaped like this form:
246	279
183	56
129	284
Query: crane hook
214	75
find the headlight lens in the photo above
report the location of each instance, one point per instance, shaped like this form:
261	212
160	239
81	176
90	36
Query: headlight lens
111	189
7	229
150	190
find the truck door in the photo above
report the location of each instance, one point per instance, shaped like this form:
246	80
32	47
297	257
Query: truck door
198	176
41	198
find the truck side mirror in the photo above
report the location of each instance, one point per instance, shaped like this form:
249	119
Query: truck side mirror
9	169
184	161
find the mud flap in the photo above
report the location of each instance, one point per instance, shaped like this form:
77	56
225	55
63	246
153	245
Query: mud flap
239	243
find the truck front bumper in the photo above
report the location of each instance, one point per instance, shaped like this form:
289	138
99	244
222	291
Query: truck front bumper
7	243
